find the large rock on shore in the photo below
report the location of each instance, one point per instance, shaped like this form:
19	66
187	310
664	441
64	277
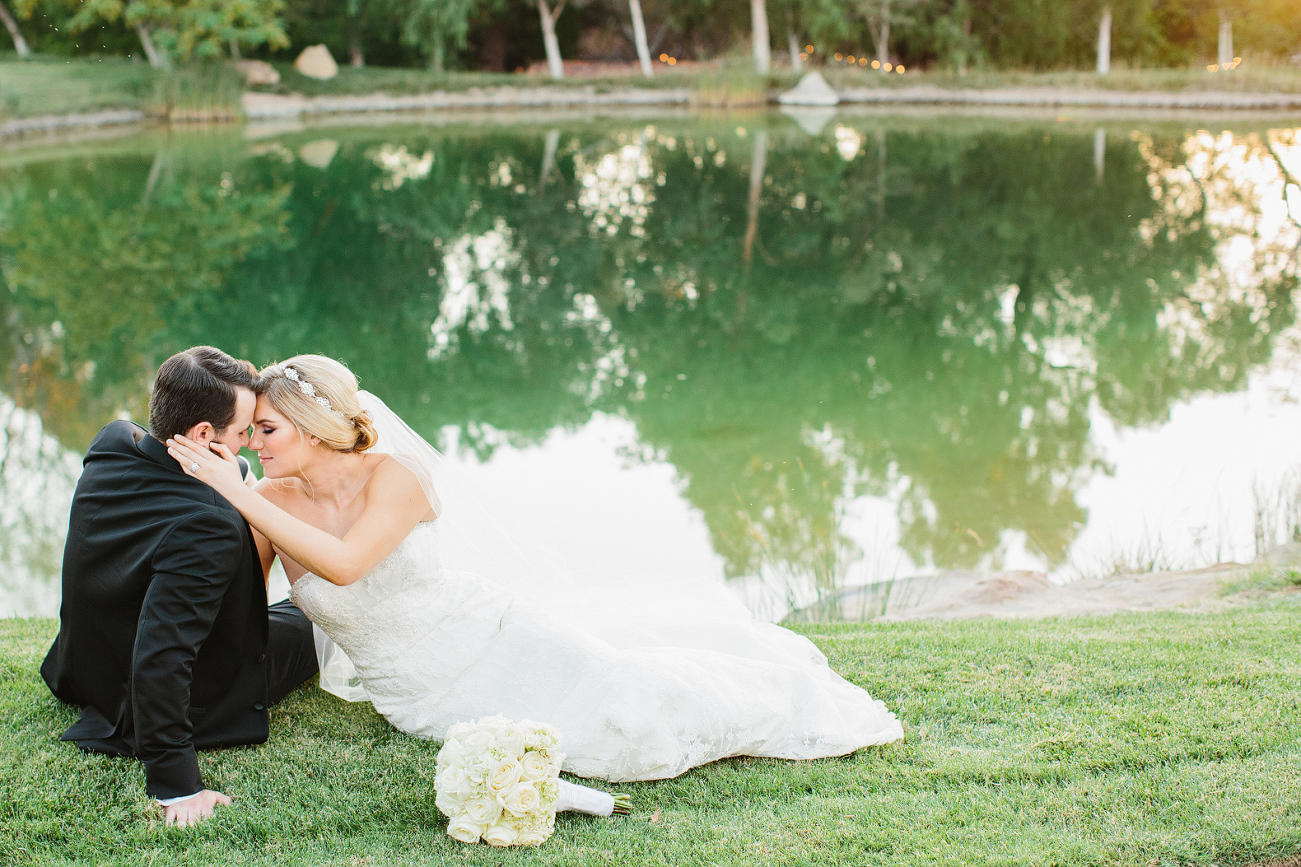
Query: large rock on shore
317	62
257	72
812	90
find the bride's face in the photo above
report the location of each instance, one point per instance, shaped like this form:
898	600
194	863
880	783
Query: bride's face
276	441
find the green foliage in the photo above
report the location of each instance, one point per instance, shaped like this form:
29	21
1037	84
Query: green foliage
1126	740
192	28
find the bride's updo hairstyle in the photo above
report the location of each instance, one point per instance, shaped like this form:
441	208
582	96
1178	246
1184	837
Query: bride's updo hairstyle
319	397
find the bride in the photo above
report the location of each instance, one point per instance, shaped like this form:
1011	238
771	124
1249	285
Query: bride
352	504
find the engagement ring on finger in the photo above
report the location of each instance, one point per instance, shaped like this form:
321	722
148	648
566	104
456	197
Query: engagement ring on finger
194	466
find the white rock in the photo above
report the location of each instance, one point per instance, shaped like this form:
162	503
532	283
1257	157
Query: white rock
812	90
317	62
258	72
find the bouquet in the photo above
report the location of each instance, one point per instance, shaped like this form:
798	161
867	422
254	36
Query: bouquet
499	781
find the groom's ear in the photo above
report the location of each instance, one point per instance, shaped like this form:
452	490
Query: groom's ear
203	432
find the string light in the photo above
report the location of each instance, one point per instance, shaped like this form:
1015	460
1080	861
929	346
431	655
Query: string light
876	64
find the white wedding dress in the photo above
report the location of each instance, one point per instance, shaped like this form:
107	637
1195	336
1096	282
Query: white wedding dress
639	689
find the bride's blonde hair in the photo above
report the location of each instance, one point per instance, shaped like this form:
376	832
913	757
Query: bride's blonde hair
319	397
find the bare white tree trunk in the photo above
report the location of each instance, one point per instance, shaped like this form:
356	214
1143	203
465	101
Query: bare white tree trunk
883	39
1226	41
11	25
157	59
555	65
639	37
1099	152
1104	42
759	36
792	44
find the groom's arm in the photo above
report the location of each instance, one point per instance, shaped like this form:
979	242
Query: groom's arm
192	570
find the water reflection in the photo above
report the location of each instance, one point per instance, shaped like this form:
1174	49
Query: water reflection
854	352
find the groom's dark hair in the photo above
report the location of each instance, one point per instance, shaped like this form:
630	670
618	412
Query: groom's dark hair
197	385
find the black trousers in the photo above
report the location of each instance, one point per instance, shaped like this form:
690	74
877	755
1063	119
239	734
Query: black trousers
291	650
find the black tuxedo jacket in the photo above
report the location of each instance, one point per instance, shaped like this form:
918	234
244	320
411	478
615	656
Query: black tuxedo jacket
163	625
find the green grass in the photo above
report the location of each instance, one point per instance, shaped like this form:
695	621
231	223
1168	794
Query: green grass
61	86
1139	739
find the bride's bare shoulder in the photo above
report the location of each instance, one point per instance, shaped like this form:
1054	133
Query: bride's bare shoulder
393	480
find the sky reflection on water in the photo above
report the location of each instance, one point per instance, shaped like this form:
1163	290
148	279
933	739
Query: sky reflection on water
720	348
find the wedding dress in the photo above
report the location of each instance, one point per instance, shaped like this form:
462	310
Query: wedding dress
642	683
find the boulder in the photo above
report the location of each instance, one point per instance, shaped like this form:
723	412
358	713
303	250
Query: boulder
812	90
317	62
257	72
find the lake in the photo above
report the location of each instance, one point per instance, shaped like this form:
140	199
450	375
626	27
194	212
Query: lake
794	353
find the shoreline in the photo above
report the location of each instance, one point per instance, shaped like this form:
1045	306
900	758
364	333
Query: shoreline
261	107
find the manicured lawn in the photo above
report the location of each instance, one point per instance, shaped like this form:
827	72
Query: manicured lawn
61	86
1133	739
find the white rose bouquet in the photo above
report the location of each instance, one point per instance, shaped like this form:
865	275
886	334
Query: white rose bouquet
499	781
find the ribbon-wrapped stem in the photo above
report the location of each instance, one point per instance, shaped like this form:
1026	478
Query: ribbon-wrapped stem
593	802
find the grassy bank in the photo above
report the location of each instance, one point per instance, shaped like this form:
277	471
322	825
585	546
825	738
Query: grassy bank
60	86
1137	739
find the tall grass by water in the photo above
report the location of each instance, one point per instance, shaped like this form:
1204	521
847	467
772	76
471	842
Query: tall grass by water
1138	739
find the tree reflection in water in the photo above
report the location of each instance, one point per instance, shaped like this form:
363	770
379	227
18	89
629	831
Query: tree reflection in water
895	312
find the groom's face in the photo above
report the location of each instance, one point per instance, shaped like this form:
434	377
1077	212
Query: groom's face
235	436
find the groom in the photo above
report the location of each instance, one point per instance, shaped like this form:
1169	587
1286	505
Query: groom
165	637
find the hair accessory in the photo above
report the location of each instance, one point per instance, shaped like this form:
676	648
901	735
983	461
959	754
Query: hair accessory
306	388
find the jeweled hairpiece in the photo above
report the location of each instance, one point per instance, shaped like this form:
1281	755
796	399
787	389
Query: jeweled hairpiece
306	388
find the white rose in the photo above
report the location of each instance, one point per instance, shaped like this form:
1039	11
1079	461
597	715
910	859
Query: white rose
504	776
510	738
532	838
501	834
483	810
459	730
535	766
449	803
453	780
451	753
477	742
464	829
519	799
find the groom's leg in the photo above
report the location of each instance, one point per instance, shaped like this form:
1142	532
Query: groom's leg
291	651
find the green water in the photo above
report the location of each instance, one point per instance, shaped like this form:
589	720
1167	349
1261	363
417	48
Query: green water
886	348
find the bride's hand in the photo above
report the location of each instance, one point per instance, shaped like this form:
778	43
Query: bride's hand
214	466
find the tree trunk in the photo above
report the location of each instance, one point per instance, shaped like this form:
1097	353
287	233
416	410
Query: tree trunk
1226	42
1104	42
759	36
1099	152
234	49
555	65
352	25
639	37
792	44
11	25
883	39
437	57
157	59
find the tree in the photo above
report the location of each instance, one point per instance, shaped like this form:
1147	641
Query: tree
189	28
639	37
20	44
759	36
548	17
435	25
